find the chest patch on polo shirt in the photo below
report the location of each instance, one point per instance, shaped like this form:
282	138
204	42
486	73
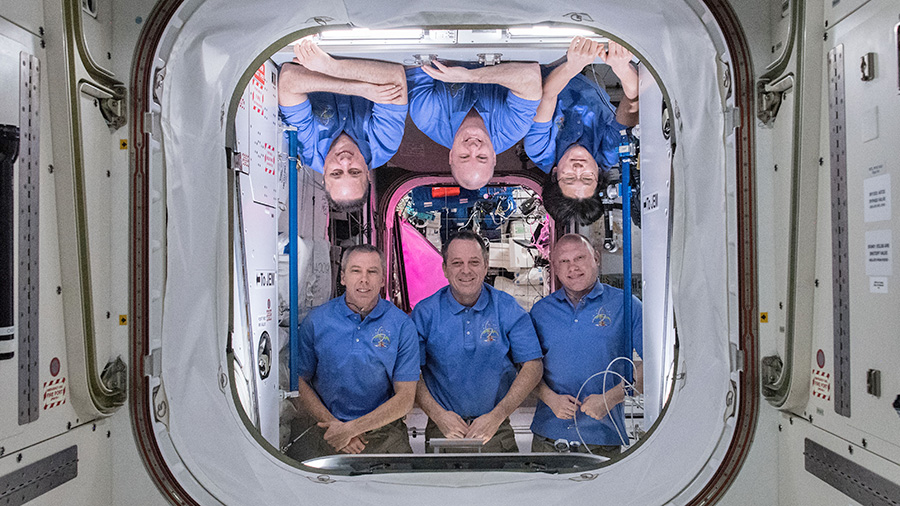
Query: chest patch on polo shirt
560	121
381	339
601	319
489	332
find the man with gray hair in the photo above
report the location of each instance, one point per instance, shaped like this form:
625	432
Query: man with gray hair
357	359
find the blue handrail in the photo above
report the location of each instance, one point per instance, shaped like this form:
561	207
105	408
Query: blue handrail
625	158
293	261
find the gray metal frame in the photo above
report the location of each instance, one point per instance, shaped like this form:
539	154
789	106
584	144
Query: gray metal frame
38	478
850	478
29	204
840	265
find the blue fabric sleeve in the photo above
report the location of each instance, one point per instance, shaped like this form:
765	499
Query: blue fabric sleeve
609	142
406	368
385	131
306	360
540	145
422	319
512	116
637	326
301	117
429	106
523	340
535	316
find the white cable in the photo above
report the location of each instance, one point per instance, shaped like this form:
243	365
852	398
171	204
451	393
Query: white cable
283	450
578	396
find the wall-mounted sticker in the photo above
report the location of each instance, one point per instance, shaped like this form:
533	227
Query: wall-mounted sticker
878	253
53	393
878	284
877	198
821	384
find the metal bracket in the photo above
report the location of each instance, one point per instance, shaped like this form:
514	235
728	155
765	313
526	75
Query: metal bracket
159	77
161	404
726	77
730	401
737	358
867	66
424	59
732	118
114	110
771	368
115	376
152	366
236	161
770	96
488	59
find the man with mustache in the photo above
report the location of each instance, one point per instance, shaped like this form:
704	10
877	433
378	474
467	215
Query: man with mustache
350	116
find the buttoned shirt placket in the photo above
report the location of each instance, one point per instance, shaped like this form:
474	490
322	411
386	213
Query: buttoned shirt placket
468	338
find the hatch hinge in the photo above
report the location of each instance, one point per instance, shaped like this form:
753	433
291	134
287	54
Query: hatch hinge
770	95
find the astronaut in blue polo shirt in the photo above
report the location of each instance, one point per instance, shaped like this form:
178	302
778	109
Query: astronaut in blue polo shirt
471	338
358	362
581	332
576	133
476	112
350	116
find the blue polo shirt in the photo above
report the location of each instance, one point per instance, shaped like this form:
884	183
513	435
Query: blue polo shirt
467	353
583	116
577	343
376	128
352	363
439	108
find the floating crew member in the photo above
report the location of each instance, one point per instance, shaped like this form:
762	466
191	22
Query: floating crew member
576	133
580	328
472	336
358	359
350	115
476	112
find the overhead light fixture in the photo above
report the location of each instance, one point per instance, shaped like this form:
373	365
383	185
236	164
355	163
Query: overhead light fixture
551	31
368	34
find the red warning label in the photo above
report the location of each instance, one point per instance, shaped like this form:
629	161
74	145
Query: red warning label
260	75
54	393
270	158
821	385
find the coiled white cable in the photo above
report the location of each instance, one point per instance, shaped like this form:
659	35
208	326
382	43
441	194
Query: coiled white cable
605	400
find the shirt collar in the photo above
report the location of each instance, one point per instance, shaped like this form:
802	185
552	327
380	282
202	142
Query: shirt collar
378	310
595	292
480	304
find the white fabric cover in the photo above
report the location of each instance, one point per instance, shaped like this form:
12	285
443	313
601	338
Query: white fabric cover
218	42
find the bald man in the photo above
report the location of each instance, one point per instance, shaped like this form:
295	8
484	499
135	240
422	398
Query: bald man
476	112
582	332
